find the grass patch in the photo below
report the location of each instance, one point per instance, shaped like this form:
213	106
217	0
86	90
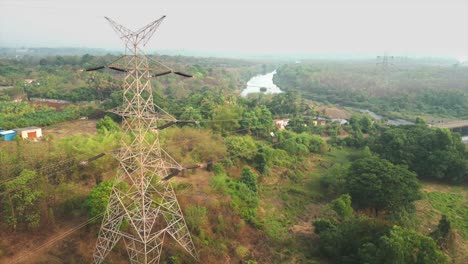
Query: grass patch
339	155
455	206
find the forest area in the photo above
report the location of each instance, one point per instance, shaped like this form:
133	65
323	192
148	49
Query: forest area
359	192
403	88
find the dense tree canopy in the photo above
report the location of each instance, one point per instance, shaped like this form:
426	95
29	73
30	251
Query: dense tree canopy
360	239
378	184
417	88
431	153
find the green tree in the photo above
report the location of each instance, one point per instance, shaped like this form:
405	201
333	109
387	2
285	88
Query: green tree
342	206
98	198
366	124
378	184
351	240
249	178
407	246
257	120
226	118
241	146
21	200
107	124
431	153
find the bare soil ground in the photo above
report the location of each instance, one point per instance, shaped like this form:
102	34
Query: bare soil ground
69	128
29	245
333	112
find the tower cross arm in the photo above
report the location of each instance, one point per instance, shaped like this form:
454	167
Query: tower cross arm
145	33
123	32
142	35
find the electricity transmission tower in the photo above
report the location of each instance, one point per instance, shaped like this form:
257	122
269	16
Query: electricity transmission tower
383	68
385	61
145	209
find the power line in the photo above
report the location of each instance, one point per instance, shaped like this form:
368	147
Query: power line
32	252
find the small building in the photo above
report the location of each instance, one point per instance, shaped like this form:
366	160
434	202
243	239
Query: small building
29	132
340	120
319	121
281	123
29	81
8	135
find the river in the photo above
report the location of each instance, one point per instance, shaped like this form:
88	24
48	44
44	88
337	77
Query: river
263	80
266	80
395	122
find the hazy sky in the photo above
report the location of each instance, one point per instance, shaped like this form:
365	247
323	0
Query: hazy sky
405	27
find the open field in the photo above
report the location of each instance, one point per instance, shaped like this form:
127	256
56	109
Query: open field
67	129
452	201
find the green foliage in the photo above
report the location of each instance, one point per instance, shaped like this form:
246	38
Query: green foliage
249	178
227	118
286	167
196	218
418	89
69	198
360	154
300	144
332	182
81	148
346	242
257	121
323	225
21	199
342	206
286	103
442	232
243	199
15	115
407	246
106	124
454	206
376	183
98	198
366	240
431	153
264	159
219	181
243	147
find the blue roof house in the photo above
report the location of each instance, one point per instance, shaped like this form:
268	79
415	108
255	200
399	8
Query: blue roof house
8	135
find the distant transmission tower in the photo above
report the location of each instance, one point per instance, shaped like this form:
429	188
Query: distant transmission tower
384	62
145	210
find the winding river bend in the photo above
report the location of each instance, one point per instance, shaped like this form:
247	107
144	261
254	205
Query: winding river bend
261	81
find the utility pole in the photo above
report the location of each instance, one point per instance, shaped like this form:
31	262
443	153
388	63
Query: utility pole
143	207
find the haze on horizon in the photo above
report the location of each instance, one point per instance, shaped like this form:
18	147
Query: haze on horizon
400	27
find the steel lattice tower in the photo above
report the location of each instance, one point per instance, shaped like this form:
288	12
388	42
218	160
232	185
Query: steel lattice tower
145	209
385	61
